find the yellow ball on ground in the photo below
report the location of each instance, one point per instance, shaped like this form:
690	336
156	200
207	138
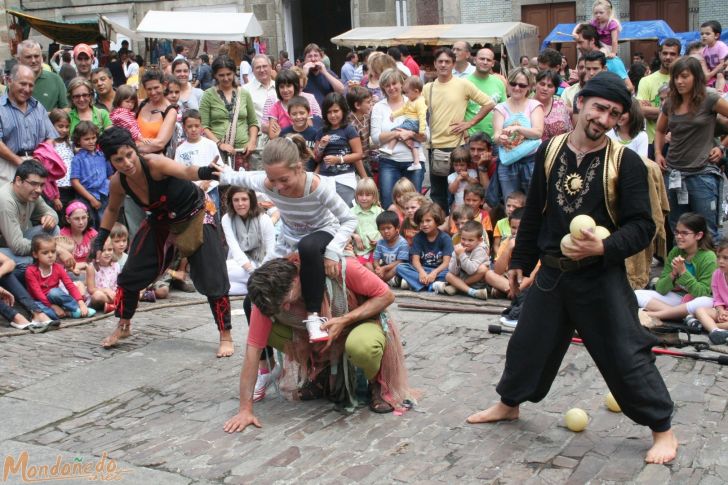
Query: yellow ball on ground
611	403
576	419
601	232
564	240
580	222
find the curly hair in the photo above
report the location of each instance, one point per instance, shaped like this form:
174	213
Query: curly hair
269	285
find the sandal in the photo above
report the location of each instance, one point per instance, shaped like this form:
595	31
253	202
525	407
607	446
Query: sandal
378	404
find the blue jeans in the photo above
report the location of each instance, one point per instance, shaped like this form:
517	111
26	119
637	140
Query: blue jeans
408	273
516	176
703	198
391	171
22	262
11	283
59	297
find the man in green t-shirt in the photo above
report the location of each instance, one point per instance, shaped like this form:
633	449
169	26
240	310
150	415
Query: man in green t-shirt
488	83
49	89
649	88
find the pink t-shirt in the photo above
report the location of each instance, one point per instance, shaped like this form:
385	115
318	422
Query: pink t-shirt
720	289
715	55
359	280
81	250
605	34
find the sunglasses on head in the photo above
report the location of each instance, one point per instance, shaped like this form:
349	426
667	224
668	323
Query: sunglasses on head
520	85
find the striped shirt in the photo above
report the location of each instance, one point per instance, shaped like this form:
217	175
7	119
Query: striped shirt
319	210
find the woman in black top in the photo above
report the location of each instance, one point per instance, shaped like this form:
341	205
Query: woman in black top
179	218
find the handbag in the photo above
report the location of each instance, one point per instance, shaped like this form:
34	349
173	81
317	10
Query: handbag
508	156
439	158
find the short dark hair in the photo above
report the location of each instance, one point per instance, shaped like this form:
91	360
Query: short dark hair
350	55
179	48
638	54
551	57
549	75
481	136
270	283
445	50
357	94
288	77
30	167
517	214
432	209
589	32
82	129
475	189
671	42
713	25
191	113
205	58
299	101
518	195
395	53
596	56
153	74
100	70
472	227
388	217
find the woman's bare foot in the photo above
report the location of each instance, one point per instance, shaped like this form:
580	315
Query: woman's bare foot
664	448
121	331
226	348
497	412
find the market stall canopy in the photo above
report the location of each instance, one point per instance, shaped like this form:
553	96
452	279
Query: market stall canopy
225	26
69	33
112	28
518	38
638	30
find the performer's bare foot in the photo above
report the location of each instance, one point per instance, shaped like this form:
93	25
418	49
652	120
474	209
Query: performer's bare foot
226	348
122	331
664	448
497	412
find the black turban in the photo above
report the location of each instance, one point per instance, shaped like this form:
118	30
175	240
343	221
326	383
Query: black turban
114	138
609	86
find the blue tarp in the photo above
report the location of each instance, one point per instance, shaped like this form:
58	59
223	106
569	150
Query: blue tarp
638	30
689	37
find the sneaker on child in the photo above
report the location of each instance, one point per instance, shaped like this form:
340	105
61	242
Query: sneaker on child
313	325
718	336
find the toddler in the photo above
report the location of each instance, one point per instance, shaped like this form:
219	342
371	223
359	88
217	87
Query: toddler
415	113
468	265
410	227
101	279
124	106
119	236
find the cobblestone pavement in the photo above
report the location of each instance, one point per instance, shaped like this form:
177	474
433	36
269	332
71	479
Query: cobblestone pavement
156	405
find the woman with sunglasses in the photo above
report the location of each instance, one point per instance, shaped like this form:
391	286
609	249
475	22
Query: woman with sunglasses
517	130
80	93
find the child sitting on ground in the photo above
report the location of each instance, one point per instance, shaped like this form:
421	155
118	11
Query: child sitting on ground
503	226
462	175
44	279
415	113
366	209
715	320
119	236
468	266
459	217
401	189
430	253
392	249
80	232
687	274
498	278
410	227
101	279
474	197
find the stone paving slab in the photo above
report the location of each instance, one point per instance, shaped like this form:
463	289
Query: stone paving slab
158	402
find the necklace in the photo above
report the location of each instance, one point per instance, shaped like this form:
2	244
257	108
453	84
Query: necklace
581	154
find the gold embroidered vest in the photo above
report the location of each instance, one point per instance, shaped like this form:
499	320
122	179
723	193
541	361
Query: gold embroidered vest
610	174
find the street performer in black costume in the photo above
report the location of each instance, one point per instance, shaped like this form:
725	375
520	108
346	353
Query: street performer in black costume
586	287
179	218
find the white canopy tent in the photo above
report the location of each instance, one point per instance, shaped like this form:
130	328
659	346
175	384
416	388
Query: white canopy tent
222	26
114	29
518	38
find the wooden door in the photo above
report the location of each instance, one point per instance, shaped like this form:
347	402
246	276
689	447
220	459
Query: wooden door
545	17
674	12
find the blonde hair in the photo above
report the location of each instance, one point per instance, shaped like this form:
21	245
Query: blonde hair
290	150
379	63
607	6
368	186
410	196
402	187
521	71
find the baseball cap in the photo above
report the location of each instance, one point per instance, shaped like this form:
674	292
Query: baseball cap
83	48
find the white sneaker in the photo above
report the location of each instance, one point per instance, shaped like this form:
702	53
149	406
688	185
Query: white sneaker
450	290
263	381
481	294
439	287
404	285
313	325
